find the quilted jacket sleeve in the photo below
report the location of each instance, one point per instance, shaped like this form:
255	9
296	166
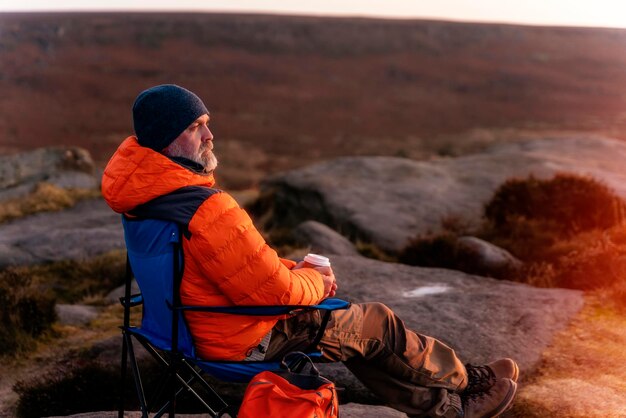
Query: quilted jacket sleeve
233	255
288	263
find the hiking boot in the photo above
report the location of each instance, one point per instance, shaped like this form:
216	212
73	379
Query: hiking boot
491	403
482	378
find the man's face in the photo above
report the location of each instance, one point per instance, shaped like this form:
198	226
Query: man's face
195	143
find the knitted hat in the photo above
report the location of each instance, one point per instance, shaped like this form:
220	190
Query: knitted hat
162	112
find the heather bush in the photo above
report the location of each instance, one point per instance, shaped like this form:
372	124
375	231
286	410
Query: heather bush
25	311
565	205
431	251
569	231
561	228
617	294
594	264
590	263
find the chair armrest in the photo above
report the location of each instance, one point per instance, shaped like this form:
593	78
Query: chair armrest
332	304
329	304
134	300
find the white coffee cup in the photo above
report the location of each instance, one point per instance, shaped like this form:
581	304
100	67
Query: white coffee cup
315	260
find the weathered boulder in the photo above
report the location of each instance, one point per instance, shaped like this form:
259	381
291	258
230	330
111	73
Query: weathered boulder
114	295
90	228
322	239
390	200
477	256
75	314
65	167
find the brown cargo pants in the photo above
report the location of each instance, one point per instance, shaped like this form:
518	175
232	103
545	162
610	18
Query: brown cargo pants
413	373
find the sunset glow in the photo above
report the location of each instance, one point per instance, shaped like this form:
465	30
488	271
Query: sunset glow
602	13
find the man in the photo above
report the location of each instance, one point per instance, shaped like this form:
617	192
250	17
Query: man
166	172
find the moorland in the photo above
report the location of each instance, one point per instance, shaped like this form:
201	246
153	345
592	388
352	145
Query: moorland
288	91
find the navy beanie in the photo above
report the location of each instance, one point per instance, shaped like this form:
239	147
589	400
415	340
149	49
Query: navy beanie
163	112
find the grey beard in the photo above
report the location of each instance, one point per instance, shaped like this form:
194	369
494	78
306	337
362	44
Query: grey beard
209	161
204	157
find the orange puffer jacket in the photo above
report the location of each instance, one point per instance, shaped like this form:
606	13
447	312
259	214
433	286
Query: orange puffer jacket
227	261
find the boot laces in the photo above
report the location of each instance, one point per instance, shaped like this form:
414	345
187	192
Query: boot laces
479	378
466	399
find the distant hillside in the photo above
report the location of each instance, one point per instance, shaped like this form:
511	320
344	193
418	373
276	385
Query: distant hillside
285	90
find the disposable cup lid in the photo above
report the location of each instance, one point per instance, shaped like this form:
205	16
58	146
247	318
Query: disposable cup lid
317	260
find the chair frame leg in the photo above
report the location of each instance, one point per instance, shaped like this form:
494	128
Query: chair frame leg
179	383
120	413
137	377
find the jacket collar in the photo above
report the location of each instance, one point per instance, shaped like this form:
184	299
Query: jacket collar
190	165
136	175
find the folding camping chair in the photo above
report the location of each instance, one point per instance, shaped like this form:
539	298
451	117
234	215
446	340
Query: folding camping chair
155	259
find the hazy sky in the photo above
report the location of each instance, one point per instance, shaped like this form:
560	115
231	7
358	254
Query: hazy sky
611	13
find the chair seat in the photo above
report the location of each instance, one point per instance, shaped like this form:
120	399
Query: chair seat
241	372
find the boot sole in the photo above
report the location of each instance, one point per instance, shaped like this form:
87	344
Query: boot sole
506	403
515	373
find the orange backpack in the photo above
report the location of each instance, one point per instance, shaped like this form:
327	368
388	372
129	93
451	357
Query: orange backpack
286	394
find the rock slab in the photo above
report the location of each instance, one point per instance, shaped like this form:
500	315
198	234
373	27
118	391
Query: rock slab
65	167
482	319
389	201
90	228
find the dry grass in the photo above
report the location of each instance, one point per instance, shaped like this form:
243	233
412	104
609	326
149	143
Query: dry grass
74	281
47	352
45	198
583	373
28	295
26	312
371	250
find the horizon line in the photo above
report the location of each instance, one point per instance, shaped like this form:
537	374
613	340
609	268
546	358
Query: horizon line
310	15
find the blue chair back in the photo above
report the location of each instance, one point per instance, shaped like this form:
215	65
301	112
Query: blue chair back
156	259
154	251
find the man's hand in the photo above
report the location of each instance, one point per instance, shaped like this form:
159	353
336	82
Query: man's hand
299	265
330	283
